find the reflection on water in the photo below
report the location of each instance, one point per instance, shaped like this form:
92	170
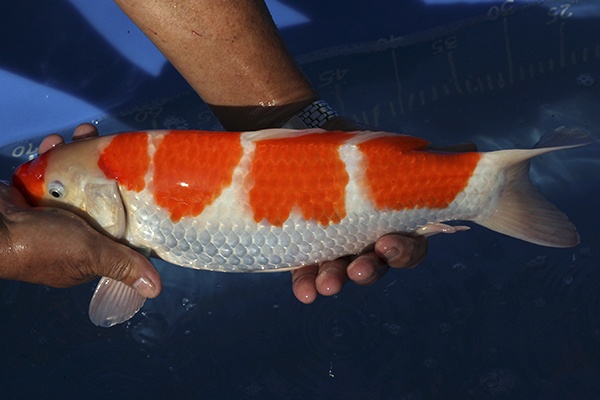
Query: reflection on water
484	317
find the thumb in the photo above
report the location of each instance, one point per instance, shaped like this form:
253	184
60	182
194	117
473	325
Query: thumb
128	279
121	263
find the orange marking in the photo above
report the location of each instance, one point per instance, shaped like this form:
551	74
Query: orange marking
126	160
192	168
29	178
400	177
304	171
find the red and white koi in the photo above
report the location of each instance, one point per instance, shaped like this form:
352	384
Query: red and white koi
279	199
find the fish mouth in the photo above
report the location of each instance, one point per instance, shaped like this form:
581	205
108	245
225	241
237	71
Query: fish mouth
19	178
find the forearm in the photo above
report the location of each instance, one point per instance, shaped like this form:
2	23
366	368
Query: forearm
228	50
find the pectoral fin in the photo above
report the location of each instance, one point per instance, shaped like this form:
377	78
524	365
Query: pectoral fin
104	206
437	227
113	303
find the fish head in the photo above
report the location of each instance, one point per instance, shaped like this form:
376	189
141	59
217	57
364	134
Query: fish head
68	177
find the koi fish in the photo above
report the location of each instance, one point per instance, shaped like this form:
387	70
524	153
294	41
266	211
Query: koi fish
275	200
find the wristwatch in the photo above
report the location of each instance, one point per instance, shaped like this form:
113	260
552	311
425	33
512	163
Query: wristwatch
314	115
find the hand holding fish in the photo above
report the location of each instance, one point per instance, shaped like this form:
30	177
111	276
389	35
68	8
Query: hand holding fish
327	278
57	248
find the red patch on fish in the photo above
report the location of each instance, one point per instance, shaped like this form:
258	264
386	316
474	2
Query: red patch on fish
192	169
400	176
126	160
304	172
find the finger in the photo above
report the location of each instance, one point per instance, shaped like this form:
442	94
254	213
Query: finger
303	283
400	251
366	269
124	264
135	270
332	276
49	142
11	197
85	131
73	252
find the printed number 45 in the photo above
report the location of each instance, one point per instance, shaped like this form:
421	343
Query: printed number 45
331	76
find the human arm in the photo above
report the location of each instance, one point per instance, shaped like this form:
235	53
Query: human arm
231	54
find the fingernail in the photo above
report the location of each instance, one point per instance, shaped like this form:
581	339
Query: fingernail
391	254
144	287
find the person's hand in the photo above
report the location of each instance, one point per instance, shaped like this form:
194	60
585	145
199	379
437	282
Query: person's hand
328	278
57	248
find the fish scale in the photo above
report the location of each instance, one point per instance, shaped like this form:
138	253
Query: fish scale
276	200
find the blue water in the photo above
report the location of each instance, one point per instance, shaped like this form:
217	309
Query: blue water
483	317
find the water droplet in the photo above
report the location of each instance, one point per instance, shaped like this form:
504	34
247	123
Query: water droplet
187	304
337	332
585	252
568	279
537	262
330	372
459	267
392	328
151	330
498	381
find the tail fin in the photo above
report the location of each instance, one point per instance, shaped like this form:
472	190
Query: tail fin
522	212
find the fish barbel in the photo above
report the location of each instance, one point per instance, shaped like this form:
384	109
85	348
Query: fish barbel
278	199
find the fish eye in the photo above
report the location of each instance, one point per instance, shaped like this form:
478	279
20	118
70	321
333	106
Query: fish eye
56	189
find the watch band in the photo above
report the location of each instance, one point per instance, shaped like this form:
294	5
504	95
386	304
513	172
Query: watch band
314	115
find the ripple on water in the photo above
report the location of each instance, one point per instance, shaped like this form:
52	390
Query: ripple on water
151	330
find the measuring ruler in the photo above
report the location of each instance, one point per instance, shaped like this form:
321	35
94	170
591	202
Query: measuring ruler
513	56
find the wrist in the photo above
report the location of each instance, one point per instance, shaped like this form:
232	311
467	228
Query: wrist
251	118
313	115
